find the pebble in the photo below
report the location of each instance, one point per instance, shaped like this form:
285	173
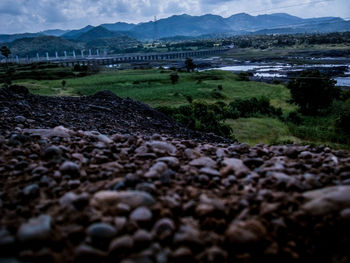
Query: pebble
163	147
142	237
214	254
20	119
172	162
101	233
141	214
121	245
239	148
131	198
187	234
164	228
345	214
326	200
203	162
58	131
36	229
235	166
40	170
86	253
70	168
305	155
120	223
209	171
182	254
157	170
32	190
52	152
245	232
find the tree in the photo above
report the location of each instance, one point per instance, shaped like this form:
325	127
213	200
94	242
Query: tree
174	77
313	91
5	51
190	66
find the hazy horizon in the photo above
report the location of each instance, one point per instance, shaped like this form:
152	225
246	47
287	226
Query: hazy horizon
22	16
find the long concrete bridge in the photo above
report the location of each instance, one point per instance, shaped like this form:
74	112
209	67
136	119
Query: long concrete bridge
121	58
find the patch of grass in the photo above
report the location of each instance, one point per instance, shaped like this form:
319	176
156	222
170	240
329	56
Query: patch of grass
260	130
320	129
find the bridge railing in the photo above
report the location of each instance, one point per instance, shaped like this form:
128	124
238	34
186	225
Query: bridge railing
117	57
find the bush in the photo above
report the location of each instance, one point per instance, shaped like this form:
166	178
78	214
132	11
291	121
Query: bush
294	117
199	116
253	107
313	91
215	94
343	120
243	76
210	117
189	99
174	77
189	64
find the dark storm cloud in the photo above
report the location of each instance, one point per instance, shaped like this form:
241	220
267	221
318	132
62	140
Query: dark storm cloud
36	15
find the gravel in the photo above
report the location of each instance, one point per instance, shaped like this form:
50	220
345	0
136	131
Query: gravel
75	187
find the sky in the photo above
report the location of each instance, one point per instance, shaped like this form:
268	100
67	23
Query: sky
19	16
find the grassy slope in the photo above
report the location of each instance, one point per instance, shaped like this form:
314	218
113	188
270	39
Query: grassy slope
154	87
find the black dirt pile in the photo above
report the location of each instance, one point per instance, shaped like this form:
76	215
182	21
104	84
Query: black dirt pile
104	112
68	196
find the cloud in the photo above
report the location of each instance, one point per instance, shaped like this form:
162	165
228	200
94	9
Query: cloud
36	15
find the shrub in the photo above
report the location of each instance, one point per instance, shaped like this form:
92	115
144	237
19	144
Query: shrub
189	99
200	116
243	76
174	77
189	64
215	94
253	107
343	120
294	117
313	91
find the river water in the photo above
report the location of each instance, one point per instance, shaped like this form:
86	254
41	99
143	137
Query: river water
280	70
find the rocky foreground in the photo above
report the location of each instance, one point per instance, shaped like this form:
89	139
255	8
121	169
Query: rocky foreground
76	195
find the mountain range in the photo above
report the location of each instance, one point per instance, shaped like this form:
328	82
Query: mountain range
124	36
194	26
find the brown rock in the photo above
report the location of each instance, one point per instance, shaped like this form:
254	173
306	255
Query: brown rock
236	166
245	232
327	200
203	162
131	198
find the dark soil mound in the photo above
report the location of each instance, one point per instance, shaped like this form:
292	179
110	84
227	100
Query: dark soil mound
104	112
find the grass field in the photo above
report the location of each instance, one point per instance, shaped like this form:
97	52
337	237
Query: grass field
154	88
